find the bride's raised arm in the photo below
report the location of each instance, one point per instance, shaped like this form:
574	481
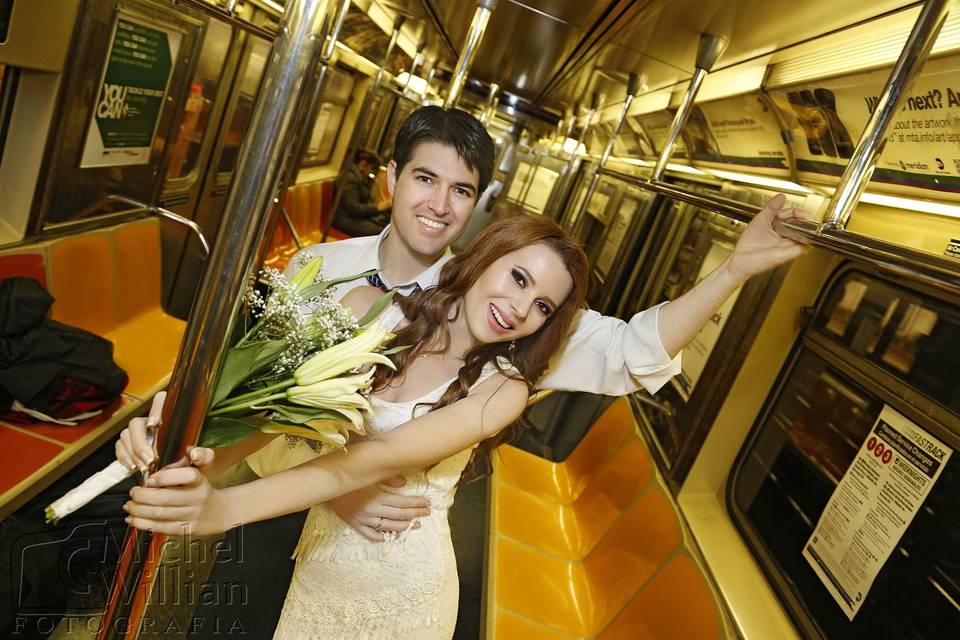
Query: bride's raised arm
178	500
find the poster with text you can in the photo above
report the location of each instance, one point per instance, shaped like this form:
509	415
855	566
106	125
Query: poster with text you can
922	148
872	506
130	95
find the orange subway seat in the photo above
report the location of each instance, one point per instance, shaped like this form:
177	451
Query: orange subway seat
313	220
677	603
565	481
572	530
512	627
147	350
582	597
28	264
22	456
81	281
298	212
137	272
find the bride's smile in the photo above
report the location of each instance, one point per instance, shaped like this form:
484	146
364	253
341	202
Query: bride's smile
512	298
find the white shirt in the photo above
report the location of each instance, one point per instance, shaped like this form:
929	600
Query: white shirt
602	354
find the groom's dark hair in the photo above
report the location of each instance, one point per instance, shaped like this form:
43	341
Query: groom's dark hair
452	127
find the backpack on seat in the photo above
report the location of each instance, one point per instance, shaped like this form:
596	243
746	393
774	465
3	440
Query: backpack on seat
50	371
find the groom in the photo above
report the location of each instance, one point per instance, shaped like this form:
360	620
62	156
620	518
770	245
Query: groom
443	161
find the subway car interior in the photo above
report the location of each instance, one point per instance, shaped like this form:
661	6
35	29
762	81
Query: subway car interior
792	480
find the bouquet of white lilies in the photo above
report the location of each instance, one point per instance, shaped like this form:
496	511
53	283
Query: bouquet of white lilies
305	375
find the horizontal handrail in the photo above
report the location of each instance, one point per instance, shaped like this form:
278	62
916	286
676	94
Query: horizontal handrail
228	16
164	213
742	211
929	269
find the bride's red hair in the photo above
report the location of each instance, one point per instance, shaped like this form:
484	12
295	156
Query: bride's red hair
427	311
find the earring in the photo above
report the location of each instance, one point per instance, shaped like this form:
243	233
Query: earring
512	351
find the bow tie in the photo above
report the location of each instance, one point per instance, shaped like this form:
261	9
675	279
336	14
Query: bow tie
376	281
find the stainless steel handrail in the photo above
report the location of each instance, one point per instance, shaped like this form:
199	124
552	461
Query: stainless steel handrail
291	228
212	316
927	268
164	213
478	25
227	15
742	211
860	168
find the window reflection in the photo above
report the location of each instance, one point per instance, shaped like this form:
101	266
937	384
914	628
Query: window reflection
243	109
185	150
326	128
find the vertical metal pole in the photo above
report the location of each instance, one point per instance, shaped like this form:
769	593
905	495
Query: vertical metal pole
361	116
417	59
874	137
479	24
212	317
710	48
574	159
306	116
633	87
492	100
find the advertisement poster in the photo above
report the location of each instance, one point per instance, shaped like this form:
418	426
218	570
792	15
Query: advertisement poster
615	233
519	182
539	190
923	143
741	130
696	354
131	92
872	506
657	125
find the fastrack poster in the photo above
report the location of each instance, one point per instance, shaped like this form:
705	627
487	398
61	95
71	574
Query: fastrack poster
131	92
872	506
923	144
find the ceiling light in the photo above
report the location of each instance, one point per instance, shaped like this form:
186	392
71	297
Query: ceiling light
912	204
414	83
876	43
733	81
763	181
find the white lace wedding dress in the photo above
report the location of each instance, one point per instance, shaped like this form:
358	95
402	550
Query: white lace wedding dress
345	586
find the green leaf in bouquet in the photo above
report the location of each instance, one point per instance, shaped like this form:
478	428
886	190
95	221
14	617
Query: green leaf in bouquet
376	308
300	415
327	431
242	362
221	431
390	352
314	290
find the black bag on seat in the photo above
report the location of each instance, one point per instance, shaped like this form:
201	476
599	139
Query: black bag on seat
49	370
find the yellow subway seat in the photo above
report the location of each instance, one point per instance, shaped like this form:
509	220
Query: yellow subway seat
571	531
147	350
676	604
565	481
582	597
511	627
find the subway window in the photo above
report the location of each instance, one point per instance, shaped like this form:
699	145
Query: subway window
8	86
327	126
186	146
876	351
249	83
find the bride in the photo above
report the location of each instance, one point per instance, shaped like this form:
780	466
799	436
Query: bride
479	341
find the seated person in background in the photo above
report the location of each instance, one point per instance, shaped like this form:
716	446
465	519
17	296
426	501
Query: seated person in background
359	214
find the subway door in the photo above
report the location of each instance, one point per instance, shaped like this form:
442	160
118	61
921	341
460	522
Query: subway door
247	74
189	152
624	243
129	58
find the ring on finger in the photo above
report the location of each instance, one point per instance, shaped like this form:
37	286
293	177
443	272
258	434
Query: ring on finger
379	524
